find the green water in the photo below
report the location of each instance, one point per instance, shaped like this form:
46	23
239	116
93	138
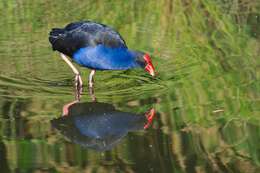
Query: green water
206	95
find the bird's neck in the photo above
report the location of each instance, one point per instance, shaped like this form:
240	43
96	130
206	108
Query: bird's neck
104	58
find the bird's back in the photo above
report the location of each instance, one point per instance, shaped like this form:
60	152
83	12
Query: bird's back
78	35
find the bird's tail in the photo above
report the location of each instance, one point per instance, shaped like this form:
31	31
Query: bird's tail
55	35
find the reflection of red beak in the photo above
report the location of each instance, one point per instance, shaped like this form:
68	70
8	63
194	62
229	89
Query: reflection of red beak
66	107
150	69
149	116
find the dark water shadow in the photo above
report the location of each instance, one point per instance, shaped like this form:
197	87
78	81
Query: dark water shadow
4	167
99	126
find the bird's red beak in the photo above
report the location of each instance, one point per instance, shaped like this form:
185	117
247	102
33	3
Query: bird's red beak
149	117
149	67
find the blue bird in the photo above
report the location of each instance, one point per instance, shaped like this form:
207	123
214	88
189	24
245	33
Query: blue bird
97	47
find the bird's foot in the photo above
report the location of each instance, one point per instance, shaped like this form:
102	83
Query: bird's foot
78	87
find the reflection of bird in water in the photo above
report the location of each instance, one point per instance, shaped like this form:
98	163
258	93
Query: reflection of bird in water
97	47
99	125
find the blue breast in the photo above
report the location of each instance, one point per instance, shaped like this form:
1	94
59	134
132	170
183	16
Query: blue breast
105	58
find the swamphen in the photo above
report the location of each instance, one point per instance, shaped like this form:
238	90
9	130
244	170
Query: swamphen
99	125
97	47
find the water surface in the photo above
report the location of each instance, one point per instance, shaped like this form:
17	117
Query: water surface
206	94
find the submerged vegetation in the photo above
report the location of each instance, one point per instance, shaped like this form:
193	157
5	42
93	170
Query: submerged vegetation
206	94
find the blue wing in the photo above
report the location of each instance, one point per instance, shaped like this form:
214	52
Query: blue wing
84	34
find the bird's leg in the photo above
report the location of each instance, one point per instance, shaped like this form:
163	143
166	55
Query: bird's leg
78	86
92	94
78	80
91	84
91	79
